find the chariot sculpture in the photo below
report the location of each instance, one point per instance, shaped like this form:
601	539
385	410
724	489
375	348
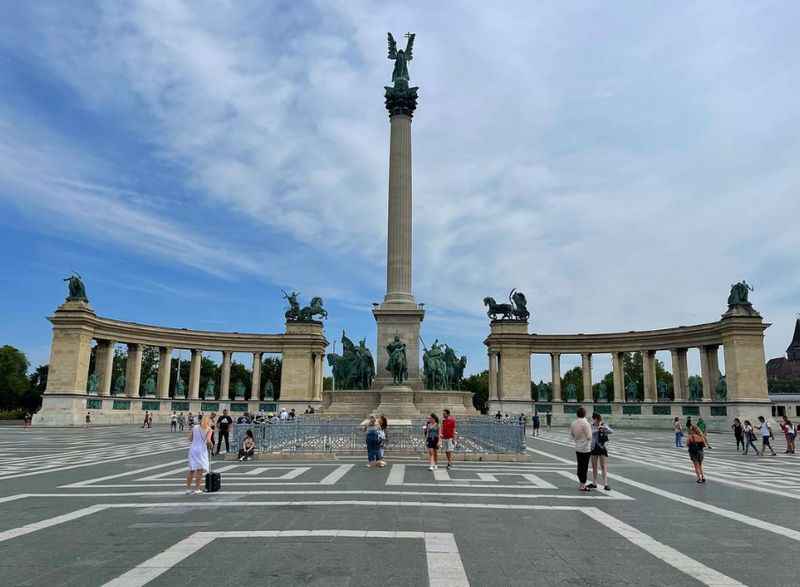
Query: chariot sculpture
297	314
515	309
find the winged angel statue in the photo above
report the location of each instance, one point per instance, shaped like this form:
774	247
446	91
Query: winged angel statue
400	77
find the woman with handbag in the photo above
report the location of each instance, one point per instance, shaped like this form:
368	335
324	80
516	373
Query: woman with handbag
198	455
600	432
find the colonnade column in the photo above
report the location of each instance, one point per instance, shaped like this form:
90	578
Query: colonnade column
194	374
555	374
493	376
709	371
225	376
619	376
649	365
164	371
586	367
320	375
133	370
680	374
104	366
255	385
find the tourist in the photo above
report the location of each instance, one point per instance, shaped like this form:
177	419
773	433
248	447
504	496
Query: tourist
28	419
383	424
146	419
548	417
190	420
432	440
749	438
88	420
448	436
696	441
498	416
738	433
284	415
173	422
373	443
291	414
581	433
248	446
678	428
212	422
766	435
600	432
701	425
536	423
688	425
789	433
181	422
223	430
198	454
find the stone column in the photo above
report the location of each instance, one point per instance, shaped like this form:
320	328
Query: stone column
133	372
619	376
555	374
649	364
709	371
320	375
680	374
225	376
71	349
493	376
586	367
255	386
105	367
398	257
743	345
164	371
194	374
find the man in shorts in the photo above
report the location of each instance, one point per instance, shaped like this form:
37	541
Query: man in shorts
448	436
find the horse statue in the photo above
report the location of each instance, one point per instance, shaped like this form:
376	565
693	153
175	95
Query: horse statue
355	368
397	364
313	309
504	311
434	367
520	311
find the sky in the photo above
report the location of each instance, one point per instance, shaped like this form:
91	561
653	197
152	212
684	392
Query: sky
621	163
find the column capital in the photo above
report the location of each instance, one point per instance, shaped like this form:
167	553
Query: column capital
401	101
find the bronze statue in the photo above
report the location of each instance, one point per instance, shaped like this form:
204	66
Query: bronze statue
149	387
434	367
295	313
543	391
397	365
355	368
400	98
77	291
119	384
180	389
92	383
721	390
571	392
739	294
663	391
269	390
210	389
602	392
401	59
238	390
632	392
515	309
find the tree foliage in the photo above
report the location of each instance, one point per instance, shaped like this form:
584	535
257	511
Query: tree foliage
575	377
14	382
478	384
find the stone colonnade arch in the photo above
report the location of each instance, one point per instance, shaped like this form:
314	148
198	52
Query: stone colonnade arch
75	326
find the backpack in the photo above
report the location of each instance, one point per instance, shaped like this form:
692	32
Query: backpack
602	437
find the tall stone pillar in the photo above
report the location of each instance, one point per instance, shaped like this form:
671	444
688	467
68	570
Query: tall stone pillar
225	376
743	345
399	315
493	377
555	371
194	374
105	367
514	360
649	365
71	349
164	371
303	340
680	374
133	372
709	371
586	367
320	375
255	386
618	375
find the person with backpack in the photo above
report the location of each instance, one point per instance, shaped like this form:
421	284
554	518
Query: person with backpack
432	440
600	432
581	433
749	438
766	435
696	442
373	443
738	433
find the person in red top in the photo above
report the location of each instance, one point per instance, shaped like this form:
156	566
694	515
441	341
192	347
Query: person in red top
448	436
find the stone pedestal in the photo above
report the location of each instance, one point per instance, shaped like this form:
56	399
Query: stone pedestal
301	379
513	360
397	401
403	321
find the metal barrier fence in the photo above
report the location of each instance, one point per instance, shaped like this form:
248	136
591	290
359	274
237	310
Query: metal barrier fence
474	435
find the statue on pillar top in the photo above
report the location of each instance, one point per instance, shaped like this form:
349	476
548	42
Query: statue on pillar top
400	98
305	314
397	365
515	309
77	291
739	294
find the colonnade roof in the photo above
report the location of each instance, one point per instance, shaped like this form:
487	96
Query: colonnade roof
680	337
183	338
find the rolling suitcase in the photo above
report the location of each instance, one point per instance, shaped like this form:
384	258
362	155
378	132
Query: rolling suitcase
213	480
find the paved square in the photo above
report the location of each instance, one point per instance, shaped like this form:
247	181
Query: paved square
107	506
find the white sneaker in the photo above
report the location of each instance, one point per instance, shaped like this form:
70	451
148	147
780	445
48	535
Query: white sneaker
198	492
189	492
430	468
436	467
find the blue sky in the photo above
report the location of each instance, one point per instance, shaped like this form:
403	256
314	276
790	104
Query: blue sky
622	164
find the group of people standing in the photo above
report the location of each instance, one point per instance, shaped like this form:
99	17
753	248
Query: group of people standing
590	445
436	434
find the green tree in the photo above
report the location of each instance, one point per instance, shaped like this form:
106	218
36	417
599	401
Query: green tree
478	384
271	370
327	383
633	368
32	400
149	366
608	380
574	376
239	372
14	382
209	371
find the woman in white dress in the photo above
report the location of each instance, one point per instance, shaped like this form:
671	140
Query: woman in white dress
198	454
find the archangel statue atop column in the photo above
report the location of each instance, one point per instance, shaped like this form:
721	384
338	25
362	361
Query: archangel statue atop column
400	98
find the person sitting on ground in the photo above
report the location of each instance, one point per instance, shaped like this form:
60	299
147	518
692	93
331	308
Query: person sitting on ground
248	446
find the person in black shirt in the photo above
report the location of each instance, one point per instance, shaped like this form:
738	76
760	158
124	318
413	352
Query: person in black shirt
223	428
